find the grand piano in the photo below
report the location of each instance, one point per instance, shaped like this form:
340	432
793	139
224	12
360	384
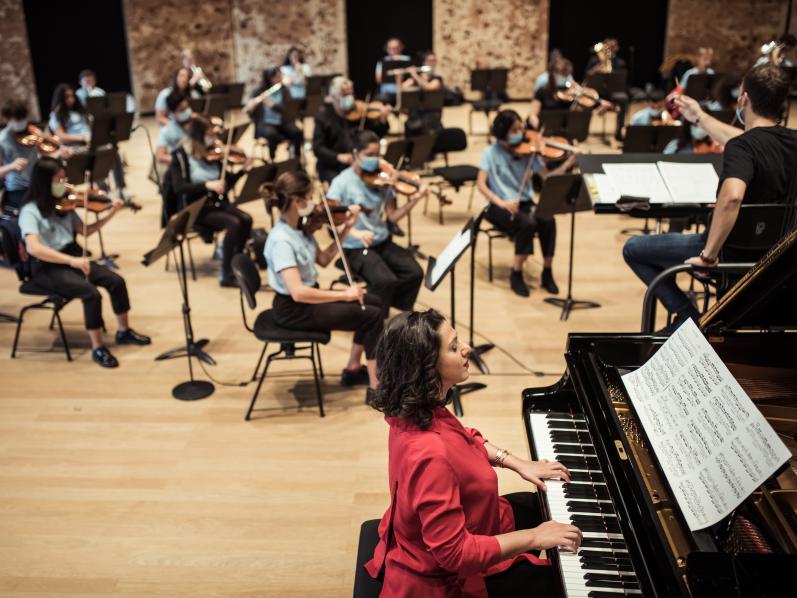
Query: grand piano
636	540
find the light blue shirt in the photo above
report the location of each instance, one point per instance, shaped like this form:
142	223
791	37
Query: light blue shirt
56	231
285	248
388	84
202	171
82	93
542	80
160	101
298	86
10	150
76	124
645	116
171	135
349	189
271	116
693	71
505	172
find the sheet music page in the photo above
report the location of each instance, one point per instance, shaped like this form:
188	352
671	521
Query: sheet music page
638	180
714	446
690	183
455	246
601	189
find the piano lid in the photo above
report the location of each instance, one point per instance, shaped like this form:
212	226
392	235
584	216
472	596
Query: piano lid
764	299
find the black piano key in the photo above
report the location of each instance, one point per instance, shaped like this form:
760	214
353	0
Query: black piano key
598	554
560	415
586	491
595	524
599	594
587	476
617	585
615	577
626	562
598	543
570	437
578	449
578	462
605	566
583	506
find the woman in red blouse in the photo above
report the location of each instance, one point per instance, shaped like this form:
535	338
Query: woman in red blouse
447	532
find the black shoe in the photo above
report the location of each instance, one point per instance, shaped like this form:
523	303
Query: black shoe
131	337
354	377
228	281
548	283
516	283
102	356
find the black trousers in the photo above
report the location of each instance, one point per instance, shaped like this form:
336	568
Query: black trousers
391	273
341	315
72	284
13	199
238	225
522	228
523	578
276	133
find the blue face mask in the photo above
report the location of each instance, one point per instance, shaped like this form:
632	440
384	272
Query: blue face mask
346	103
369	163
515	139
17	126
740	116
183	116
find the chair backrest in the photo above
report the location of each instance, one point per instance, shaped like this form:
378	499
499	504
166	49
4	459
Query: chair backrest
396	150
451	139
758	228
10	249
247	277
422	150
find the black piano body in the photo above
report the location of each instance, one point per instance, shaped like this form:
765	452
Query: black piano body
754	551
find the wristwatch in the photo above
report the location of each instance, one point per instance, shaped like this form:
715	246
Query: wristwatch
705	258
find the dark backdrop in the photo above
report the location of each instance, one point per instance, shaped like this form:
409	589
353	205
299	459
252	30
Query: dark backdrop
67	37
369	24
576	25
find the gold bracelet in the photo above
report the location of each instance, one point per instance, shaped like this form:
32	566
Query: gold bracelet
500	456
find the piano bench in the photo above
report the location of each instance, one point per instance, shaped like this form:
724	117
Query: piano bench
366	586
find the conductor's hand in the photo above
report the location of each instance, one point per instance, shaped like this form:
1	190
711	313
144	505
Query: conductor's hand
511	205
553	534
216	186
689	107
355	293
80	263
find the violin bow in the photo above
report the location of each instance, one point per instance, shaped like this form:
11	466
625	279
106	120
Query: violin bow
361	126
346	267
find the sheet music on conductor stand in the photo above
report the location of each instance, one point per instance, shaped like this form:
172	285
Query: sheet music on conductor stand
638	180
690	183
714	446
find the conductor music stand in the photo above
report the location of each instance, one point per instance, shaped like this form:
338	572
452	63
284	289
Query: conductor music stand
174	234
440	267
565	194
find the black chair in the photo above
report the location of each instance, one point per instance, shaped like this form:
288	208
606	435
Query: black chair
52	301
366	586
268	331
459	175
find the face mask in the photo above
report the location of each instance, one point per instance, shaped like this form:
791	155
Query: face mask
209	141
698	133
561	80
346	103
58	189
17	126
307	210
735	94
369	163
184	115
740	115
515	139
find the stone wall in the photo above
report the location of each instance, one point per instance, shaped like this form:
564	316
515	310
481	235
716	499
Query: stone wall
16	70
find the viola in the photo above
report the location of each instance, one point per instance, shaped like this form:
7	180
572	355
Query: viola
403	181
584	97
365	110
216	151
318	216
33	136
550	148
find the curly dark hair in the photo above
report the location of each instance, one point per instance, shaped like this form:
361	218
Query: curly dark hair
406	362
503	122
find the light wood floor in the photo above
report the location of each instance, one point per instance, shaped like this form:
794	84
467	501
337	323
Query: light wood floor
109	487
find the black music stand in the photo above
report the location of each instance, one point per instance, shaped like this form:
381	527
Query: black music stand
237	132
436	271
234	92
564	194
573	124
607	84
114	102
491	82
172	239
644	139
700	85
111	128
250	191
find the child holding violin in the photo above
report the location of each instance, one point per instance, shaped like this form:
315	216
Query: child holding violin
59	264
505	179
265	109
16	158
292	254
196	174
390	270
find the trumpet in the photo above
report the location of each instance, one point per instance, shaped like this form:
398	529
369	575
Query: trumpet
774	51
402	71
604	53
203	82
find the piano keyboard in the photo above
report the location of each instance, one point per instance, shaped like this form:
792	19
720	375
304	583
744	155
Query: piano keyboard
602	567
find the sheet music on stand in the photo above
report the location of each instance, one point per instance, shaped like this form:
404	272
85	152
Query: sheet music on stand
448	257
714	446
690	183
638	180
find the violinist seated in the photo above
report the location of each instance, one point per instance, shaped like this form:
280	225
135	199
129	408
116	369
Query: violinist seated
336	125
16	159
59	265
195	174
390	270
265	109
703	66
88	87
388	85
505	179
69	120
548	97
652	113
295	72
292	253
181	83
422	121
175	131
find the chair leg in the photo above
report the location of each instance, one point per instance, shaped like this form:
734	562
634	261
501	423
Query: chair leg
257	390
470	197
489	258
317	383
52	320
318	354
166	263
16	334
470	122
63	335
440	213
259	361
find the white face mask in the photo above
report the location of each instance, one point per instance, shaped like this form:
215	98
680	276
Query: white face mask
307	209
17	126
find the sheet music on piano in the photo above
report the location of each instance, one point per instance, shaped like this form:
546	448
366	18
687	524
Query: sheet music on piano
714	446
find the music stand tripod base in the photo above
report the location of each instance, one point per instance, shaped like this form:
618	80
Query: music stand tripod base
193	390
568	304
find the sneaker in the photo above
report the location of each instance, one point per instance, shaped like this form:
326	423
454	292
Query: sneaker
103	356
548	283
356	377
516	283
131	337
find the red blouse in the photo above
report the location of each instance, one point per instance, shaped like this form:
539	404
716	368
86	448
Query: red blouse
437	537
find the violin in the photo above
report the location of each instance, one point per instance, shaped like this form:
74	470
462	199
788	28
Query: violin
318	216
236	155
583	97
550	148
33	136
365	110
403	181
93	200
